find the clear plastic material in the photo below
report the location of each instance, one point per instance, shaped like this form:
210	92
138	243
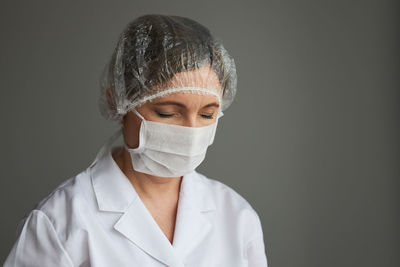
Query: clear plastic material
159	54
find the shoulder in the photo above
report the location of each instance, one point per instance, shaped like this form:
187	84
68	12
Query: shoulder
72	190
223	193
62	205
235	216
231	203
43	231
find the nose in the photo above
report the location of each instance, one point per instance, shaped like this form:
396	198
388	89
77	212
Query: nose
191	121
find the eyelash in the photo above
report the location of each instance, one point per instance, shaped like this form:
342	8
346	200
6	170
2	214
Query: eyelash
207	116
165	115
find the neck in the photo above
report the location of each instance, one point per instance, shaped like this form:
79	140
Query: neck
146	185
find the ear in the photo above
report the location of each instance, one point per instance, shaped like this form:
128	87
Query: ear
109	98
122	122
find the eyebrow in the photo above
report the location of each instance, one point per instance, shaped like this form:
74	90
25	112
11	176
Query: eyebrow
214	104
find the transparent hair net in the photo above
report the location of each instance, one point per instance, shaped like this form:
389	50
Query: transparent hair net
158	55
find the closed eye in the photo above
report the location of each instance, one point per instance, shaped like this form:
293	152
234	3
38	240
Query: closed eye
207	116
164	115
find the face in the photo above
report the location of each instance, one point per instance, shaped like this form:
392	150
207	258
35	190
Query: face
183	108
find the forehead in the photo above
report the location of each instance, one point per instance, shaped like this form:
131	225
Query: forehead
203	77
187	98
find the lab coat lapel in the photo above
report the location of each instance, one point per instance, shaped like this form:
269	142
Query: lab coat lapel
192	225
114	193
138	225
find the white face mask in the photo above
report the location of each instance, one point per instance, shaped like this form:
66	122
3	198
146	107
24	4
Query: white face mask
168	150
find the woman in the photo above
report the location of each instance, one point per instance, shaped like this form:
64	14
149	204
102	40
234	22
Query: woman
143	203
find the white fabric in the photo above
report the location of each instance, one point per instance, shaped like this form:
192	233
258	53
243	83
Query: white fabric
168	150
97	219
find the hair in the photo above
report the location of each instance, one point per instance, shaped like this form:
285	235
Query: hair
160	46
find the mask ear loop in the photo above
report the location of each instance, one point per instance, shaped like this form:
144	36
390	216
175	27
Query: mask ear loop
138	114
107	146
142	138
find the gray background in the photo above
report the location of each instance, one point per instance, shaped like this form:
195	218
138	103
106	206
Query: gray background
311	141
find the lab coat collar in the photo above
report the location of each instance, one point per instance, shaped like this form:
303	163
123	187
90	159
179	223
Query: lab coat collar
113	190
114	193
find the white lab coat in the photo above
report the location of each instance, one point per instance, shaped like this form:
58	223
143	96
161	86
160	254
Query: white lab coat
97	219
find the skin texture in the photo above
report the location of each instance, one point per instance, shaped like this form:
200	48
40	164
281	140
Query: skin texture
161	195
